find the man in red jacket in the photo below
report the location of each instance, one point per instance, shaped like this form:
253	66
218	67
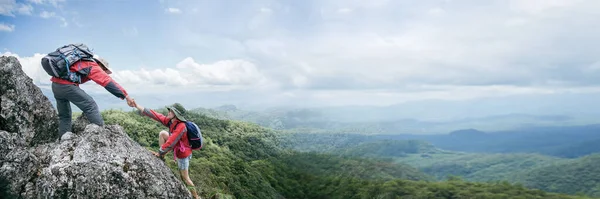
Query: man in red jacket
176	139
66	92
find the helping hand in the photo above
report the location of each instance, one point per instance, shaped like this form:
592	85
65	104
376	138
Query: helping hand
131	102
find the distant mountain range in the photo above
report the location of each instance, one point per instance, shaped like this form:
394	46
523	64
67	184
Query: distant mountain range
348	120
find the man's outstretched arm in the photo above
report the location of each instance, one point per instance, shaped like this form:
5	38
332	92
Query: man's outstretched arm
98	75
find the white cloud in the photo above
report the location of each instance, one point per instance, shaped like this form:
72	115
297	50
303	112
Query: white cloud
225	74
6	27
456	48
260	19
536	7
173	10
64	22
266	10
7	7
36	1
11	7
436	11
474	50
344	10
221	75
46	14
55	3
25	9
32	67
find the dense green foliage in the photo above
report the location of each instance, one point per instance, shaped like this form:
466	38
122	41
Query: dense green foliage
532	170
442	164
321	164
389	148
225	164
580	175
321	142
311	186
245	160
482	167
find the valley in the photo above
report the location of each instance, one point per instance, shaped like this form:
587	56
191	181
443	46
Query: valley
557	159
246	160
534	170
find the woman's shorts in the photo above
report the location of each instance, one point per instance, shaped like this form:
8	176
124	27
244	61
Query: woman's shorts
184	163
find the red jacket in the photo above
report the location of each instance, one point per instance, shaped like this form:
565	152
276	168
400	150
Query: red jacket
92	71
178	140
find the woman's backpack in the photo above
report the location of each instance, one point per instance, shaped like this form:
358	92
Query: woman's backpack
194	135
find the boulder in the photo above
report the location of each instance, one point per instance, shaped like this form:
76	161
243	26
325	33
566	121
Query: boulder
102	161
97	162
25	109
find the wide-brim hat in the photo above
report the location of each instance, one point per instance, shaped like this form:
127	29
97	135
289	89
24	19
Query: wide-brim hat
177	113
103	63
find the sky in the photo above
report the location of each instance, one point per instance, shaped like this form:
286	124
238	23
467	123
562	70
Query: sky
319	52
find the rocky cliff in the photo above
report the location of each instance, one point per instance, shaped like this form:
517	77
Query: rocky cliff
98	162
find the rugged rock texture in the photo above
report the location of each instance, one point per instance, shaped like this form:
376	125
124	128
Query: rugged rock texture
18	164
103	162
98	162
25	110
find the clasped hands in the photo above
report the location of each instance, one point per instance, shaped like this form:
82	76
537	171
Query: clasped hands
130	101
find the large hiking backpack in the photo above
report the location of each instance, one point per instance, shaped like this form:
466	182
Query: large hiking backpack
194	135
58	62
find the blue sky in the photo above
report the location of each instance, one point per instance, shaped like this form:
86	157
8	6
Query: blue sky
320	52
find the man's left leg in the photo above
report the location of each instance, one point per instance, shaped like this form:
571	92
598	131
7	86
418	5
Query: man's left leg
87	104
63	106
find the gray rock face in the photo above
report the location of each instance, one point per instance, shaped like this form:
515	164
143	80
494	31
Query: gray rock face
97	162
25	109
103	162
80	124
18	164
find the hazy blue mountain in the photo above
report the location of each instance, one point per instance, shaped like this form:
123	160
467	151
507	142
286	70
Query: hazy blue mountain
566	141
371	120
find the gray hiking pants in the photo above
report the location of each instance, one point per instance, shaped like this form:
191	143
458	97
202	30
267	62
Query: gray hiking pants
64	94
